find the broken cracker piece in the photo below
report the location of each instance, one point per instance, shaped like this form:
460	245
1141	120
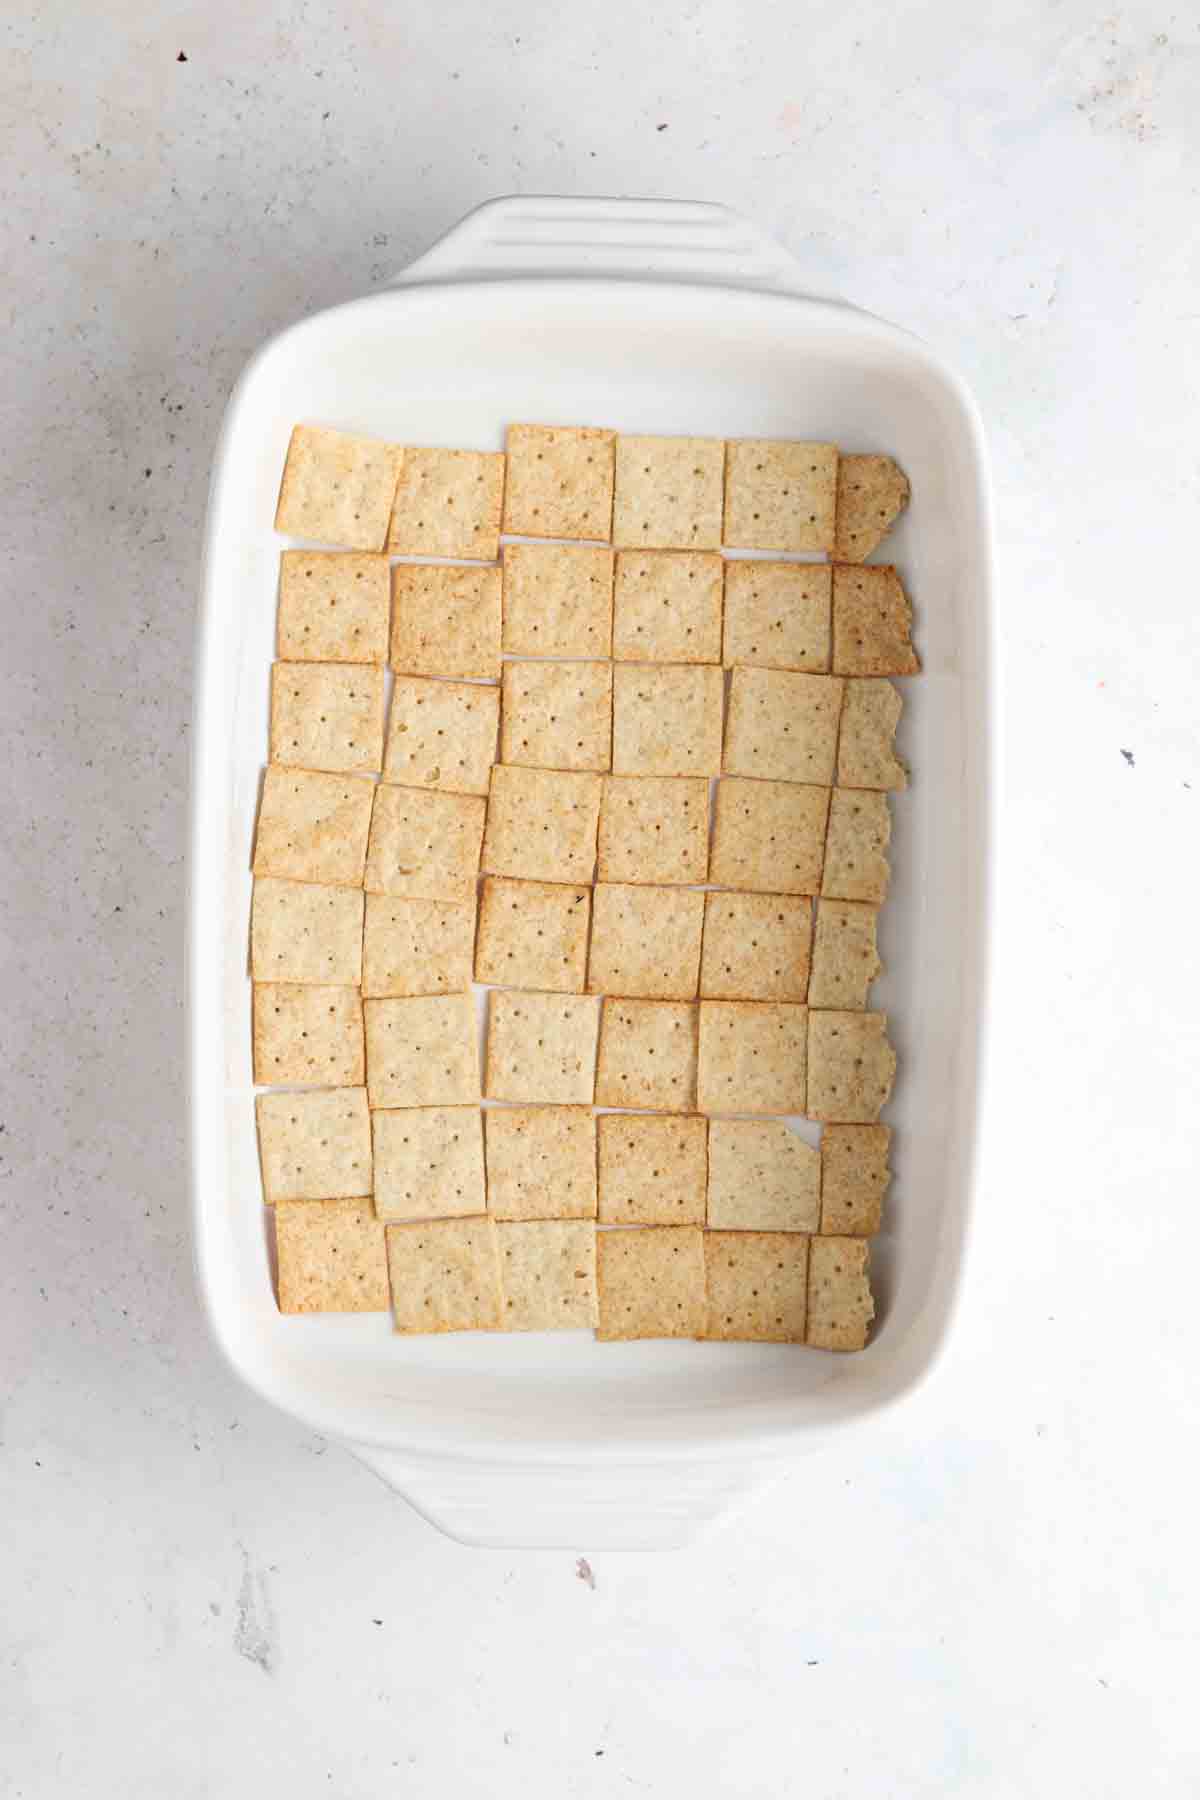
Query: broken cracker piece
840	1305
872	492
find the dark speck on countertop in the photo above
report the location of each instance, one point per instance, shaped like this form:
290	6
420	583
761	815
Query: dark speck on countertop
1128	755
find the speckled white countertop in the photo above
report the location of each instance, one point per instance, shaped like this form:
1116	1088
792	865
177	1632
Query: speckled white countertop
994	1592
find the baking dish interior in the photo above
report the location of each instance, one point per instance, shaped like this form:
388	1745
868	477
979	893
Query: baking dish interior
452	366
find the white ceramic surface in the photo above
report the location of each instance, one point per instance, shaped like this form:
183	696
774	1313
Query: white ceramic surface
487	328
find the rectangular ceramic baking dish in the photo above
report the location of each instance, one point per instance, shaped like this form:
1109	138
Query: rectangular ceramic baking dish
646	316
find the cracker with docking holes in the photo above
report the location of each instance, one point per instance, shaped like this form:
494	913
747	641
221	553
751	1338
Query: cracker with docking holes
652	1168
413	946
667	719
560	482
753	1057
327	716
645	941
651	1282
338	488
757	1283
547	1274
761	1177
667	606
541	824
780	496
778	615
441	734
422	1051
542	1047
424	844
445	1275
854	1178
428	1162
314	1145
647	1055
653	829
303	932
756	947
533	934
448	504
668	493
331	1257
307	1035
557	599
541	1162
557	715
313	826
446	621
333	607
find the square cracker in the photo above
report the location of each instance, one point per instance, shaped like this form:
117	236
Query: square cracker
783	726
541	824
313	827
547	1274
337	488
445	1276
844	959
429	1162
769	836
327	716
856	864
761	1177
560	482
422	1052
872	622
448	504
653	1170
757	1283
647	1055
424	844
851	1066
646	941
333	607
854	1178
840	1306
780	496
778	615
872	492
331	1257
667	719
651	1282
667	606
441	734
752	1057
446	621
416	946
866	749
557	715
558	599
653	828
533	934
307	1034
756	947
668	493
542	1047
541	1162
300	932
314	1146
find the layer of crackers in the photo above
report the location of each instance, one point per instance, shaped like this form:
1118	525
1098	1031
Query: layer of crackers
602	727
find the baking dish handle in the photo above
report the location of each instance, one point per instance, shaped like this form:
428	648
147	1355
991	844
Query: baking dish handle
542	235
599	1506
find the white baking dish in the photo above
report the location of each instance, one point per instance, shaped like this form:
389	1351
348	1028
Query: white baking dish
649	316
